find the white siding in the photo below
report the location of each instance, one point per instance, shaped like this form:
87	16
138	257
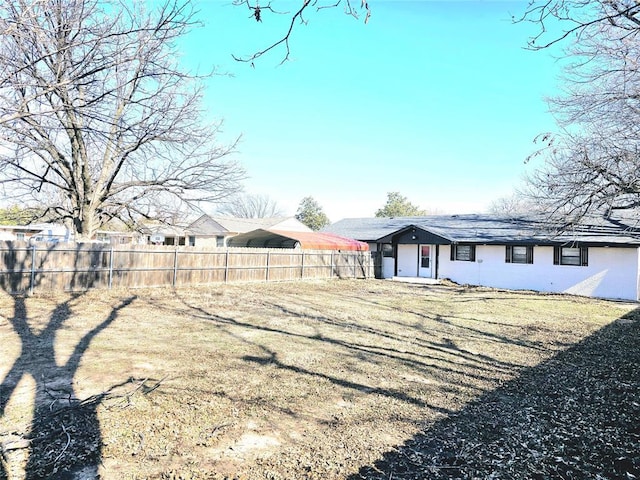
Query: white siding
290	225
208	241
611	273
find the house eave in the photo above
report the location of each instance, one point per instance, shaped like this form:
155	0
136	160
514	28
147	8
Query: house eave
421	234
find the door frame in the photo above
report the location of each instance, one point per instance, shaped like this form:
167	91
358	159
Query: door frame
426	272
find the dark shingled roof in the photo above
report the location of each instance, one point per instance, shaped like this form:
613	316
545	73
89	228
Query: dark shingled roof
491	229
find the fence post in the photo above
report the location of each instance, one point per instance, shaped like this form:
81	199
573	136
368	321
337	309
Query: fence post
355	272
333	265
226	266
302	267
268	262
175	267
111	268
32	277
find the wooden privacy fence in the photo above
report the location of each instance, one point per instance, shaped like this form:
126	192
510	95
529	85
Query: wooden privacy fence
77	267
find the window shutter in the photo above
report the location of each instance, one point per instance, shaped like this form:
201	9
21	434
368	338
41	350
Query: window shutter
453	252
556	255
584	256
472	253
530	254
507	257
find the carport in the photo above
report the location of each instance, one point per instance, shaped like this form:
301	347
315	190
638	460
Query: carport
262	238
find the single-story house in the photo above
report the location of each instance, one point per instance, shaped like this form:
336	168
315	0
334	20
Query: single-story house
54	233
35	233
600	258
162	234
262	238
208	231
19	233
120	238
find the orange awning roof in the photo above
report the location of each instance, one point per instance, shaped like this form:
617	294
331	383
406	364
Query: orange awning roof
261	238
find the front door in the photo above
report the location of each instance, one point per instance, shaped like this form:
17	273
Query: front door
408	260
426	261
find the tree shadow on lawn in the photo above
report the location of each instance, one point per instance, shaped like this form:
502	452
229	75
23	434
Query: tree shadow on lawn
64	439
64	436
445	346
445	359
575	416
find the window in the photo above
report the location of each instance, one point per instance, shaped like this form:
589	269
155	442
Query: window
220	241
463	253
519	254
387	250
578	256
20	236
425	256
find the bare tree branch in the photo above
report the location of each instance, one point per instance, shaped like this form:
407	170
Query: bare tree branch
577	17
590	166
296	17
250	206
97	116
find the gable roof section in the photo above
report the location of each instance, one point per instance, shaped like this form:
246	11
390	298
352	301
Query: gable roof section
208	225
488	229
262	238
369	229
415	232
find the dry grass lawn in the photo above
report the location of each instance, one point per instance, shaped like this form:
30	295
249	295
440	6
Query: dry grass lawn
260	381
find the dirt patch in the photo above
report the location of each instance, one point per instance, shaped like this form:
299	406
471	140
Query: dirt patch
288	380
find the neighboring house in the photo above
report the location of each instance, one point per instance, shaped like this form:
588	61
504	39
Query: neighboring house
208	231
120	238
261	238
599	259
37	232
164	235
53	233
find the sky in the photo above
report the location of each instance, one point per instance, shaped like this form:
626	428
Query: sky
439	101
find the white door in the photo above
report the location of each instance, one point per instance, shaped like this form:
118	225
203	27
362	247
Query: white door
426	260
408	260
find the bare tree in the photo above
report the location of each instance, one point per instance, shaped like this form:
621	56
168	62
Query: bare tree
97	118
514	205
565	20
590	166
257	13
250	206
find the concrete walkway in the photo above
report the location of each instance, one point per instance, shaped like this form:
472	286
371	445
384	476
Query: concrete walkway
428	281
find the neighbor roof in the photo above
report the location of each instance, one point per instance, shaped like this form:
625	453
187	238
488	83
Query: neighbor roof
488	229
208	225
306	240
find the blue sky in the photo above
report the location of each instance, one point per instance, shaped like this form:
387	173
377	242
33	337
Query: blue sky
436	100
